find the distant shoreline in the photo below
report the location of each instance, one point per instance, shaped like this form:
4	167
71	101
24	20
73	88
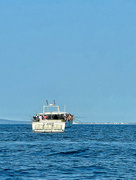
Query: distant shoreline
6	121
107	123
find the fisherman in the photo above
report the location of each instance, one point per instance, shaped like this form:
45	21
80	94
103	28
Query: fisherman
72	116
45	117
40	117
66	116
69	117
37	118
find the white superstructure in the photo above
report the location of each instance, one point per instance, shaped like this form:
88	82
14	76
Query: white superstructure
51	120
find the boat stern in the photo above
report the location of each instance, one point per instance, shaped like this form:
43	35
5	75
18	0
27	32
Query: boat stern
48	127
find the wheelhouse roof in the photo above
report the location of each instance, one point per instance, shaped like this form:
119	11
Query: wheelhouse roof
58	112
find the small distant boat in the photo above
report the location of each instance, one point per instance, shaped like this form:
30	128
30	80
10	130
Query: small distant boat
51	120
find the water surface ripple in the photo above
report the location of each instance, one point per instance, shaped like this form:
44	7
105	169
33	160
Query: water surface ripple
81	152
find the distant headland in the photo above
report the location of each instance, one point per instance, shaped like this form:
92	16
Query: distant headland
6	121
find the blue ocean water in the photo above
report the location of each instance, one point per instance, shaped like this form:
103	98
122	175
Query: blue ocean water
81	152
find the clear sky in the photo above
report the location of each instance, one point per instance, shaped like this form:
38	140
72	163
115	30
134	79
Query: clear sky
82	53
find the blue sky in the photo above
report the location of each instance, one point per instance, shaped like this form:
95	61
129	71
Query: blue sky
80	53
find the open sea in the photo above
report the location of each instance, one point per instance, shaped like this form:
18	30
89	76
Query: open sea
81	152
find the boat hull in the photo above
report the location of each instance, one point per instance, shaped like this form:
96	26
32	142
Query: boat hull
48	126
69	123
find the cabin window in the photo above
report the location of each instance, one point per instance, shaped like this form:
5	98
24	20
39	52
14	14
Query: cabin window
61	116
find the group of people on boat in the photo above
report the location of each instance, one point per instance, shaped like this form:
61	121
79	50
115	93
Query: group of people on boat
46	117
40	117
68	116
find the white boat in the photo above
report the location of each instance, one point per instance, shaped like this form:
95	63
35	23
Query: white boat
51	120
